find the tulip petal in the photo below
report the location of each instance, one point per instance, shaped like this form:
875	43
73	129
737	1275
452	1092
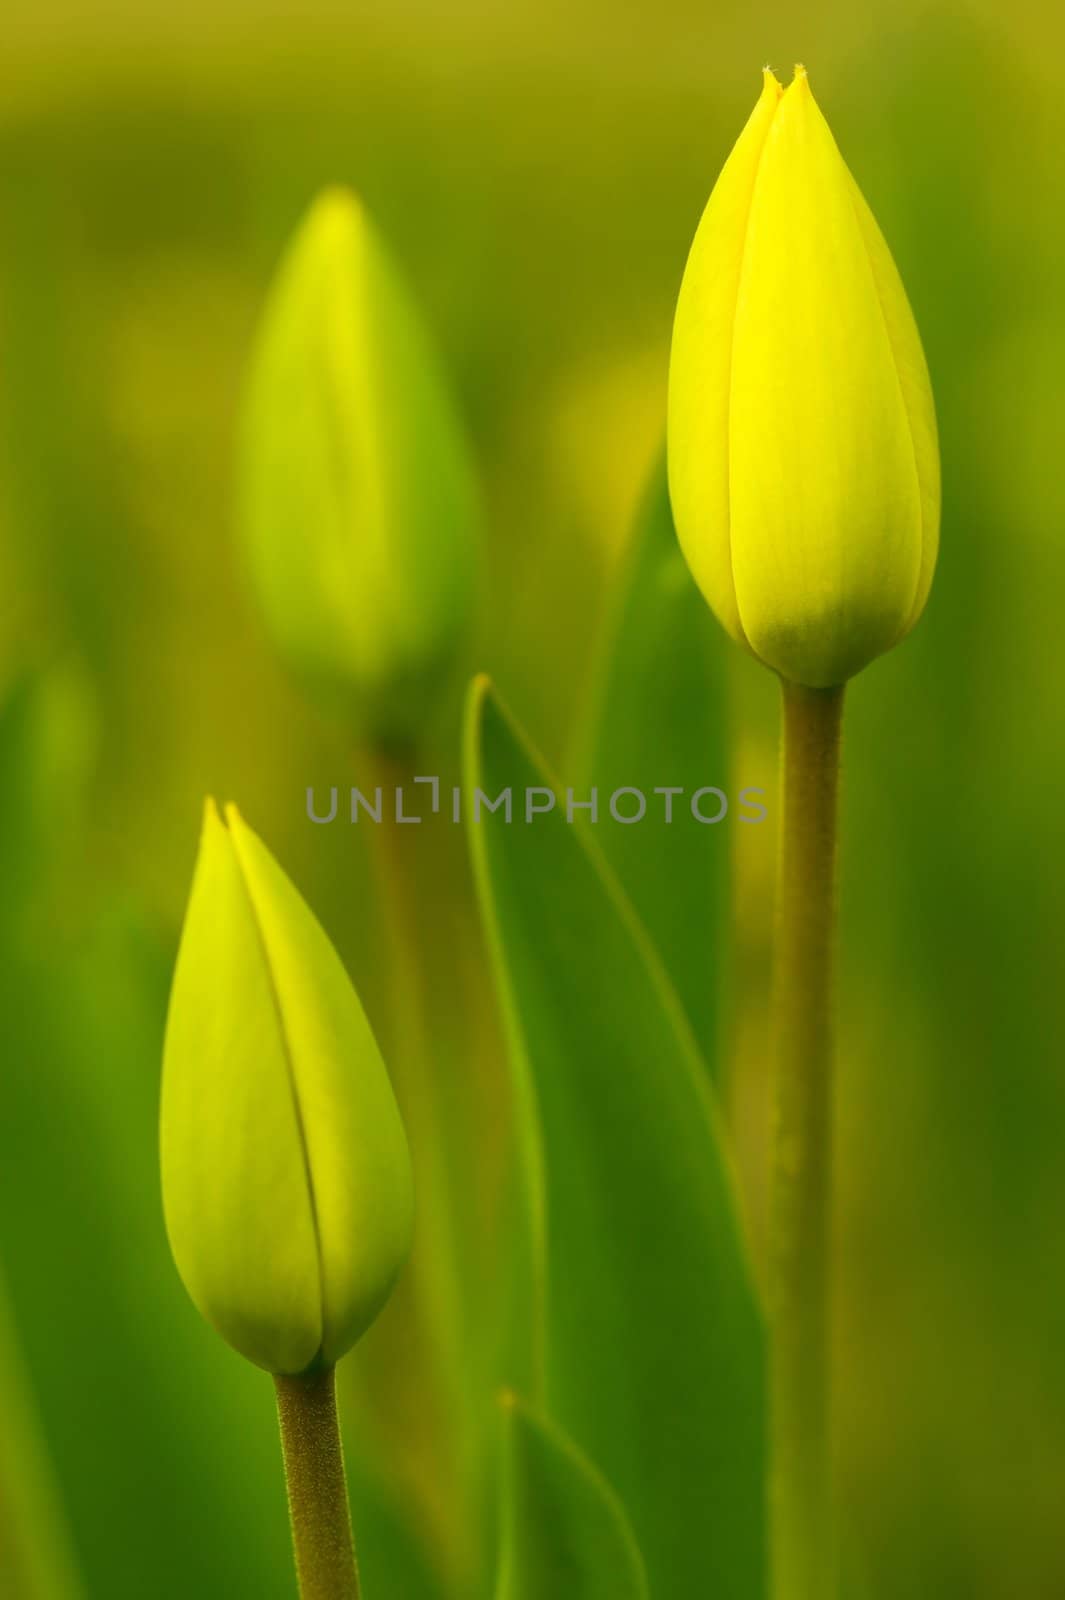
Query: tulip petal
700	368
356	1148
826	516
358	503
286	1176
235	1188
916	386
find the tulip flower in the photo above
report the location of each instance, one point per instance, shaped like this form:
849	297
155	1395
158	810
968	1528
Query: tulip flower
358	512
286	1178
803	459
804	478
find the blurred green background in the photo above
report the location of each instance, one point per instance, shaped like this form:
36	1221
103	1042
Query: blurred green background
539	170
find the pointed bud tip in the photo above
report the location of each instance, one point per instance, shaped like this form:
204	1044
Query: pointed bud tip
213	821
221	816
337	198
798	100
336	212
771	84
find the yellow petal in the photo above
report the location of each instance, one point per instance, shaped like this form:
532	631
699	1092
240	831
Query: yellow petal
355	1144
916	388
235	1188
826	513
358	510
286	1177
700	368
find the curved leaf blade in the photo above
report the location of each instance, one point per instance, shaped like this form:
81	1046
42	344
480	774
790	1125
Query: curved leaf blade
653	1339
658	720
564	1530
37	1560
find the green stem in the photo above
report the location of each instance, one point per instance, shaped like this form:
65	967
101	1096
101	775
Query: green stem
399	854
800	1207
395	860
317	1487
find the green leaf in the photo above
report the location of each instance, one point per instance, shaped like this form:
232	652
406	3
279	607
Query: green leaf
658	719
639	1287
47	738
392	1559
36	1561
145	1412
564	1530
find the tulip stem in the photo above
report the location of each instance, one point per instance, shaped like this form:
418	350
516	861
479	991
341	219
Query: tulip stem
398	859
317	1487
803	1541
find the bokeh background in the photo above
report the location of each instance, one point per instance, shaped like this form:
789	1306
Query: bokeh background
539	169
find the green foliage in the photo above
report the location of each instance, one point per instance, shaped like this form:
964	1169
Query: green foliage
540	188
653	1341
564	1530
659	717
392	1559
47	738
36	1561
123	1416
143	1410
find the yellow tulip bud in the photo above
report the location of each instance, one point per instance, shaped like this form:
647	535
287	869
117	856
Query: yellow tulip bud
286	1177
358	505
803	459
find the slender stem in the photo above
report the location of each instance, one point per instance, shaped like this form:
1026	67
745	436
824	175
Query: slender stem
394	860
431	1409
800	1204
317	1487
391	861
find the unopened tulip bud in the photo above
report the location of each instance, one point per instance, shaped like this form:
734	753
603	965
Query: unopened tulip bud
286	1176
358	501
803	460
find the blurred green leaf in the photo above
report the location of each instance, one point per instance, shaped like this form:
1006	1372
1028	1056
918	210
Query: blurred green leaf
391	1560
154	1424
658	718
36	1562
564	1530
654	1344
47	745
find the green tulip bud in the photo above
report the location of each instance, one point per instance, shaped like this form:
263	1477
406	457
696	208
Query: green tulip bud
803	460
286	1176
358	504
